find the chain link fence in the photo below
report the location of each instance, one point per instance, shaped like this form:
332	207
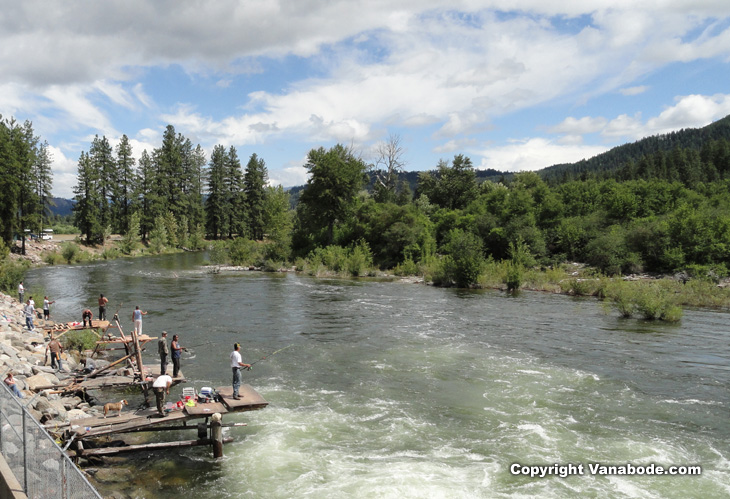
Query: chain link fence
38	463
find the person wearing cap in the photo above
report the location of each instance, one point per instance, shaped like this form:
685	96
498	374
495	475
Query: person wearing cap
236	365
164	351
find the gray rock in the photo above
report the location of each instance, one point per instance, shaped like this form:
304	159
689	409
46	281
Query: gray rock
71	402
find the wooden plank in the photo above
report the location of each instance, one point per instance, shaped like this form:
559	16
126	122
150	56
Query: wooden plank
106	451
207	409
250	399
94	427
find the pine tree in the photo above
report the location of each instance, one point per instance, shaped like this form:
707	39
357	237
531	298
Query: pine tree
87	216
146	193
24	145
102	161
44	181
216	205
10	183
254	182
122	195
234	193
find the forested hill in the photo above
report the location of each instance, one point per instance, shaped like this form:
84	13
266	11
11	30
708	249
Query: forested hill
618	157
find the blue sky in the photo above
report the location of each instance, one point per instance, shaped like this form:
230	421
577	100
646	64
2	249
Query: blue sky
515	85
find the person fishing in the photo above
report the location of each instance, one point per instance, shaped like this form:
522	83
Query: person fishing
103	300
236	365
164	351
176	354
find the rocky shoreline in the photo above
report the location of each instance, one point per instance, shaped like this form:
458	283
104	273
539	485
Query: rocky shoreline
23	353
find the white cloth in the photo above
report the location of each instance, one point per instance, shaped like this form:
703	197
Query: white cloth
236	358
162	381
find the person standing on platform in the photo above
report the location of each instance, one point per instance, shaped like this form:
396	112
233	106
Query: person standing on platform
137	318
176	353
102	307
161	386
236	365
164	351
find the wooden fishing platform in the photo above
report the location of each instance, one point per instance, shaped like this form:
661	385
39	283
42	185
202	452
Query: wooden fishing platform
134	373
64	327
141	419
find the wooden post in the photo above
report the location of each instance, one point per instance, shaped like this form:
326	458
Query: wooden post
138	353
216	435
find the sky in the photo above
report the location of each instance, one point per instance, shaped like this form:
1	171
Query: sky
515	85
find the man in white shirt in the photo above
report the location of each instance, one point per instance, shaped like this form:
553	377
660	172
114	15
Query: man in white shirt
21	292
236	365
161	386
47	308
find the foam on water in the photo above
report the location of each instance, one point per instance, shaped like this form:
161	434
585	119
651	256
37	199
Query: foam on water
409	391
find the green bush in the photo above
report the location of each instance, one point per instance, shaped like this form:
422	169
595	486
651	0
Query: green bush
11	273
218	253
52	257
84	339
580	287
359	260
513	279
407	268
111	253
70	252
243	251
467	259
437	271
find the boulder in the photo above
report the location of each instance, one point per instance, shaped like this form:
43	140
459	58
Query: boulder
71	402
41	379
42	404
59	408
74	414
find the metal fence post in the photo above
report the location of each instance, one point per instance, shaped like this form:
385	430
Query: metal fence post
25	453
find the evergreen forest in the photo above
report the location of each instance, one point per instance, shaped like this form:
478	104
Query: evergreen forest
660	205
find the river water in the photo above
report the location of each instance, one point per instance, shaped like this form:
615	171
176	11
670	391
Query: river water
402	390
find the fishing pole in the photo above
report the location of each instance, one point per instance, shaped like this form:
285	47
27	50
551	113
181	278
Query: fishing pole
267	356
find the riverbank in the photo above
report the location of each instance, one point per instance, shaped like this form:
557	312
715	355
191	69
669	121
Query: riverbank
641	295
23	353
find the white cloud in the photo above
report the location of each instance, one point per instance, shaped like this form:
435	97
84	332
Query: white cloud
455	145
586	124
64	173
633	90
450	68
77	109
534	154
690	111
294	173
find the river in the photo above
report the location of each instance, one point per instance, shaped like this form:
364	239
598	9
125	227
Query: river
400	390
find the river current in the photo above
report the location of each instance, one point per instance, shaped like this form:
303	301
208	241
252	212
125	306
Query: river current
393	389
